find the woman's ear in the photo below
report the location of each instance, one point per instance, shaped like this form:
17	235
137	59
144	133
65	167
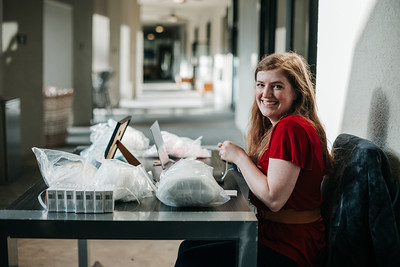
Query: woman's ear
296	95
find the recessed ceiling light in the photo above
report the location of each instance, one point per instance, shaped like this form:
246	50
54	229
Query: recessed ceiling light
173	18
159	29
150	36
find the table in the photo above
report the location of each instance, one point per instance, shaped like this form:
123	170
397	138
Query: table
151	219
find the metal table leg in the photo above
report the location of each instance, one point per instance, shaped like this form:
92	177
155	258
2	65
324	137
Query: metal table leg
83	258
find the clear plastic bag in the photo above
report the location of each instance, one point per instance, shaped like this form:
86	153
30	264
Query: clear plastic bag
130	182
180	147
190	183
134	140
62	167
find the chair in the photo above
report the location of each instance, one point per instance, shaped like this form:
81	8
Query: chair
361	206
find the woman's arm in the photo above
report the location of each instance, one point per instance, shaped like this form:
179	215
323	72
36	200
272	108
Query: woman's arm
273	189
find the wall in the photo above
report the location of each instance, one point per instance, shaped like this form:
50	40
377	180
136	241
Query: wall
114	13
198	18
132	19
358	82
23	65
248	57
217	30
101	44
82	70
1	50
58	45
123	51
280	32
300	27
23	68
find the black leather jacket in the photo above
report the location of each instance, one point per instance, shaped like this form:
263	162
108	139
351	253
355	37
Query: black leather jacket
361	206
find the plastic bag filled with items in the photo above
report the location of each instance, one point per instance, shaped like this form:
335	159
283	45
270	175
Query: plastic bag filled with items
190	183
130	182
134	140
180	147
60	167
67	170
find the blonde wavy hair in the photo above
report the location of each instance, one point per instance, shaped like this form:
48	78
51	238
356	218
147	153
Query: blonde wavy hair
297	71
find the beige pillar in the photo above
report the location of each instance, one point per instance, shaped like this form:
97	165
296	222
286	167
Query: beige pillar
114	14
23	67
132	19
83	86
125	12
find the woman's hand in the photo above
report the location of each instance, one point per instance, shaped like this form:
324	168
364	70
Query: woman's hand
275	189
230	152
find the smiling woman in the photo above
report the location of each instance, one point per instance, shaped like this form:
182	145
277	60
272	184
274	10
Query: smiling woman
287	158
284	167
274	94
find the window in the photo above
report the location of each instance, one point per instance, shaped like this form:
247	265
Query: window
289	25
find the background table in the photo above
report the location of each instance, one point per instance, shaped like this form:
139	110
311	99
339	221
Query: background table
151	219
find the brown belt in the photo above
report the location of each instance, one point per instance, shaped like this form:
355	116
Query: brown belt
291	216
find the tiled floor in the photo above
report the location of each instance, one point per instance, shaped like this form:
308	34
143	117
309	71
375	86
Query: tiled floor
200	120
107	253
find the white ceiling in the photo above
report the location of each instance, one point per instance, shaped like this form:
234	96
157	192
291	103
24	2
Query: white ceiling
158	11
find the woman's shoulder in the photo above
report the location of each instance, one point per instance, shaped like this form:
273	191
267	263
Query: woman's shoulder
295	124
294	120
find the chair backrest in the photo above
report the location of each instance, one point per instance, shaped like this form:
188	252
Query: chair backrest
361	206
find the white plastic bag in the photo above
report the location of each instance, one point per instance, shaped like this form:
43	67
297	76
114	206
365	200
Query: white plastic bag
60	167
130	182
190	183
180	147
134	140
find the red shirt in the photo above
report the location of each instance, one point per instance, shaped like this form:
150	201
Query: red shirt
296	140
